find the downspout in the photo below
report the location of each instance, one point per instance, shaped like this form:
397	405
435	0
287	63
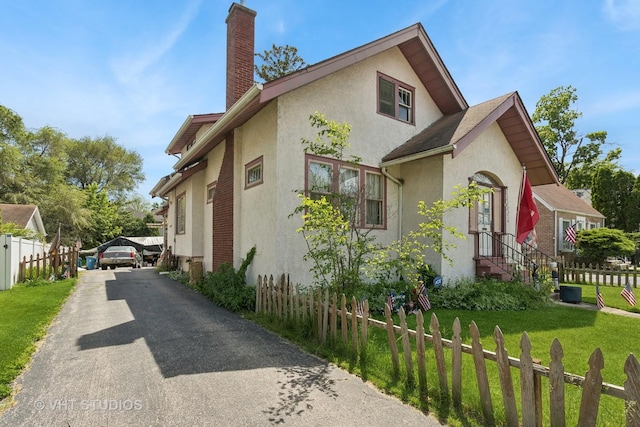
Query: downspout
398	182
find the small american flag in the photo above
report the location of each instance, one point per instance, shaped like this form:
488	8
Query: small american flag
391	302
599	299
627	293
570	234
423	298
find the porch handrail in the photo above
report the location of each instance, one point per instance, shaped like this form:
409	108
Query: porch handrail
522	261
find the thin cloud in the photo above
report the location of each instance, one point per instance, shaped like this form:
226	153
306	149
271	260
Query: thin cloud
131	68
620	102
624	14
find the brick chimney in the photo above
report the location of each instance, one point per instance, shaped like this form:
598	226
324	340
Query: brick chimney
240	52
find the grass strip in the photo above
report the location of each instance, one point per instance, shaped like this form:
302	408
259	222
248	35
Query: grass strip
25	315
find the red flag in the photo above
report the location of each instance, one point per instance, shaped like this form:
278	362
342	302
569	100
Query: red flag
527	211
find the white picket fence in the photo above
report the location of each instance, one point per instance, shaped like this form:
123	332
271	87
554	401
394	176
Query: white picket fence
12	251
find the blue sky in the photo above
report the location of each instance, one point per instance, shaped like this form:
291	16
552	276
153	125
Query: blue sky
135	69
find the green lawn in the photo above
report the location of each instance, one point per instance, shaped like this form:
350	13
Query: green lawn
579	331
25	314
611	296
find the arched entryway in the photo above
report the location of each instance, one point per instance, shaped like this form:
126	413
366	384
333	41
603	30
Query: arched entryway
486	216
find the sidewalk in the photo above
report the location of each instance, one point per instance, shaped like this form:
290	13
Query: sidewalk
593	307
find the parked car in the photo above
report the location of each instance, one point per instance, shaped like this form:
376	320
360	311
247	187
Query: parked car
120	256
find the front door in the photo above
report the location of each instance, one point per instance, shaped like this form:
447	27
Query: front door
485	225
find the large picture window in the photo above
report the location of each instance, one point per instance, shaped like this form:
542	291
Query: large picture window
362	185
181	213
395	98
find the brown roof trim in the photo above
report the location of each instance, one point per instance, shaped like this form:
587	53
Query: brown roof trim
186	133
458	130
414	44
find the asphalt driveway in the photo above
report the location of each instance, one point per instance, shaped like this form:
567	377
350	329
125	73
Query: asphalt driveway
131	347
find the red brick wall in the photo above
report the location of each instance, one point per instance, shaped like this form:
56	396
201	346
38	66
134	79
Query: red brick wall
545	230
223	209
240	52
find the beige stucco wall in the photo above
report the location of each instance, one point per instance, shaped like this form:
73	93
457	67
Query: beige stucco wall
489	153
348	95
255	212
191	243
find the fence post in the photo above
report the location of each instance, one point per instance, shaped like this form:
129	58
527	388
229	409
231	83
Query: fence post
325	315
591	390
364	330
439	354
391	335
420	352
406	345
481	374
632	389
504	371
343	318
556	385
456	364
354	326
527	383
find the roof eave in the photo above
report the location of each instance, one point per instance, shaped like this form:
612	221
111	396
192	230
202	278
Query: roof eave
178	135
417	156
227	117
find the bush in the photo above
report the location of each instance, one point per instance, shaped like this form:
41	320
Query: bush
228	287
594	246
488	295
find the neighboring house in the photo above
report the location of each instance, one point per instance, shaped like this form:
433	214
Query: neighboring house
234	184
25	216
560	208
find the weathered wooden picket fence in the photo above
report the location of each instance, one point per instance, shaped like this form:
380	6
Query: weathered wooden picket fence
65	263
282	299
597	274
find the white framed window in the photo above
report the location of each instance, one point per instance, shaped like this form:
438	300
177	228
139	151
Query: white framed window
395	99
319	179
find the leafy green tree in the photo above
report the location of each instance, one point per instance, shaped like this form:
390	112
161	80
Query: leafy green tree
12	131
104	224
336	244
278	62
574	157
596	245
616	194
103	162
406	257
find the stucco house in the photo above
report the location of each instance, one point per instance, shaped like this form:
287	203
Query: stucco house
25	216
234	184
560	208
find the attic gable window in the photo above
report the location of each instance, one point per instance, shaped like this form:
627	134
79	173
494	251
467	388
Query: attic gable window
395	99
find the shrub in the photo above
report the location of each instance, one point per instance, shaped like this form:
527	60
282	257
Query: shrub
594	246
488	295
228	287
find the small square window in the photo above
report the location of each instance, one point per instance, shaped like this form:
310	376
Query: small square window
253	173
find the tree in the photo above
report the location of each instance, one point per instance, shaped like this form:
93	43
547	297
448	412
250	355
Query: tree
103	162
336	244
574	157
104	224
616	194
278	62
594	246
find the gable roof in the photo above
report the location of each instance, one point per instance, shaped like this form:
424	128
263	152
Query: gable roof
22	215
412	41
560	198
454	132
187	132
